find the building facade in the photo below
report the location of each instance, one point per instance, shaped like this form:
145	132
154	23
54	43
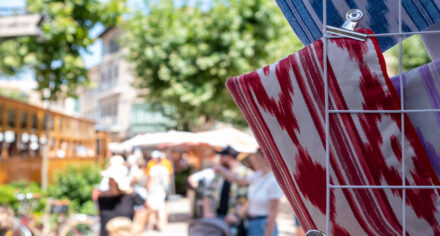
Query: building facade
113	102
25	90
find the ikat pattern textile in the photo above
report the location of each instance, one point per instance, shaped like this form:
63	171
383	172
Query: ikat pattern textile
284	104
422	91
306	16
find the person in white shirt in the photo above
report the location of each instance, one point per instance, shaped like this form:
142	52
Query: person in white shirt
264	196
157	185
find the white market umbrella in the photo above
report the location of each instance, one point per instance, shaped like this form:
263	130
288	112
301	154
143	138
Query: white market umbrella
235	138
160	138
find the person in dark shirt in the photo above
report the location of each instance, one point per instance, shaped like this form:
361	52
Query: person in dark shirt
119	199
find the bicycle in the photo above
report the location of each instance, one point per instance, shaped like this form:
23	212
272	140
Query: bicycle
28	225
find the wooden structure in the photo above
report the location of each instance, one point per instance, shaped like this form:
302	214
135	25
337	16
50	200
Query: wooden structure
25	130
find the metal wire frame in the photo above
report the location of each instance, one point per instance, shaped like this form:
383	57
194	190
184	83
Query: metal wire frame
392	34
402	112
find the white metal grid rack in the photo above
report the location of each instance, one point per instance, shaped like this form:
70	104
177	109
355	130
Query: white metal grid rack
402	112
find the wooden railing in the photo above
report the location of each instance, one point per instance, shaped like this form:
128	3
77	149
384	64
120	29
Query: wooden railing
29	169
25	130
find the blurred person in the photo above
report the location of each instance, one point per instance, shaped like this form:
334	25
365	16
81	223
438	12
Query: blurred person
136	174
138	182
198	182
157	186
117	198
261	209
119	226
6	220
207	174
163	161
114	161
205	177
223	198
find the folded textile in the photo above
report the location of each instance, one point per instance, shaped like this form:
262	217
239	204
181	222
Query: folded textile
381	16
431	42
284	104
422	91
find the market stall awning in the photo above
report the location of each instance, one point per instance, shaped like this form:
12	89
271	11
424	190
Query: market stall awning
235	138
218	139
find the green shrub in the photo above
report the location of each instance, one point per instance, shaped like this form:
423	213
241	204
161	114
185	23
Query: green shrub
76	183
8	194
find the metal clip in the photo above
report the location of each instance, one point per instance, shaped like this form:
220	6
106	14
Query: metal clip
314	232
352	19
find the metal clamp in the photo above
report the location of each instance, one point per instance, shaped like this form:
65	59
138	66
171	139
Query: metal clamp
352	19
314	232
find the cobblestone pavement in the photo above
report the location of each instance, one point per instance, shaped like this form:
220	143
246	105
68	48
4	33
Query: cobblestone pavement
178	211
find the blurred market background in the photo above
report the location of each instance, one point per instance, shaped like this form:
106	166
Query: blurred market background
82	80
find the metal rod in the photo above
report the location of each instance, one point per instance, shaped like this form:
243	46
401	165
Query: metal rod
374	35
385	186
402	120
327	136
385	111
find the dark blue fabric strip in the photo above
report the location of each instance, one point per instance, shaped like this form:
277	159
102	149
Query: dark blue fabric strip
283	5
333	16
414	13
378	22
432	9
381	15
307	19
423	12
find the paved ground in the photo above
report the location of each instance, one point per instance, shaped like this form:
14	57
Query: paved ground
178	211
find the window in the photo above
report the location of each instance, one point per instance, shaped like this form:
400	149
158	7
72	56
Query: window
24	120
45	122
102	85
11	118
1	115
110	76
114	46
51	123
34	122
116	70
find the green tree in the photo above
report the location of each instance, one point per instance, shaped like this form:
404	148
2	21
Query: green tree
414	55
55	54
182	55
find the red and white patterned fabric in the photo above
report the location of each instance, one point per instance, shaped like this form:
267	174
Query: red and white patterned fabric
284	104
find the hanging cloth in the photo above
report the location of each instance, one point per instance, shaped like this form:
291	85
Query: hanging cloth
422	91
431	42
284	104
381	16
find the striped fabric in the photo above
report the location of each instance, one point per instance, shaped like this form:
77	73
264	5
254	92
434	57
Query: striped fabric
422	91
305	16
284	105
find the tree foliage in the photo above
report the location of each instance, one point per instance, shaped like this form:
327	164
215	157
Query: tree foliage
55	54
414	55
182	55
